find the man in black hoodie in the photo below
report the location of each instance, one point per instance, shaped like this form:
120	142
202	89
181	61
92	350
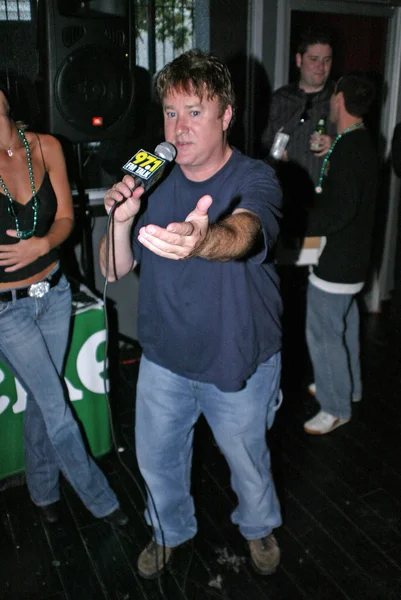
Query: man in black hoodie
344	215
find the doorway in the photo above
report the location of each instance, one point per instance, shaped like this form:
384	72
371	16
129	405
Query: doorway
359	45
368	39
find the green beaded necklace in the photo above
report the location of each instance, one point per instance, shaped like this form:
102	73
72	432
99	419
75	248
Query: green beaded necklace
27	233
319	188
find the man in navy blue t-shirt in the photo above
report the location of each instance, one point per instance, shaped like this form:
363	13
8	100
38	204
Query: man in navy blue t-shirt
209	312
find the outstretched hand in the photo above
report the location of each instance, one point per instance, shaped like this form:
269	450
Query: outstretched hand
178	240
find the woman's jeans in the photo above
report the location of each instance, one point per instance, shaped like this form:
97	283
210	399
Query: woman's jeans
168	407
33	342
332	333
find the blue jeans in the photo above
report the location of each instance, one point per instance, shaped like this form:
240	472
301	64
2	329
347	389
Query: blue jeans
332	333
168	407
33	342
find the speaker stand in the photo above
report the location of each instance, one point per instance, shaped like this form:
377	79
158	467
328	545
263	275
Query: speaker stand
85	219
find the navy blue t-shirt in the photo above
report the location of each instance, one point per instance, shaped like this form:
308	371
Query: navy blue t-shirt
204	319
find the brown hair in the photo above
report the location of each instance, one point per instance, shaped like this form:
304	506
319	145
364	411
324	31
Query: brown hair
312	36
359	92
196	72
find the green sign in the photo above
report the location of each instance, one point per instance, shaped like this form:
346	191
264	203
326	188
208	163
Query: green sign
84	377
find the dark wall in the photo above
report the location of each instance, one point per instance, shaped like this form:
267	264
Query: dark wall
228	27
19	59
18	40
228	39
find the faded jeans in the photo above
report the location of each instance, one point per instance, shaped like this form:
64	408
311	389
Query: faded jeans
33	342
332	333
168	407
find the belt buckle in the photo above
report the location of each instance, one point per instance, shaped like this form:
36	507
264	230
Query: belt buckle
38	290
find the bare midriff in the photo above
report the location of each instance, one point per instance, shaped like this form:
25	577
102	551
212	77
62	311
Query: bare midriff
9	285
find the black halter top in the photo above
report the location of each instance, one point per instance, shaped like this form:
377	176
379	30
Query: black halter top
47	211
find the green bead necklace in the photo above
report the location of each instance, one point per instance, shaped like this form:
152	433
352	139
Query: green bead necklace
27	233
319	188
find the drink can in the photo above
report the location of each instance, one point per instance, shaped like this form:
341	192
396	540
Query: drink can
279	145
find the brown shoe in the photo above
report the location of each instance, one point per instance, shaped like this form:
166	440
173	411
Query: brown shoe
265	554
153	559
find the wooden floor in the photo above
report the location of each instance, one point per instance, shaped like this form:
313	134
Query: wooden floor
340	495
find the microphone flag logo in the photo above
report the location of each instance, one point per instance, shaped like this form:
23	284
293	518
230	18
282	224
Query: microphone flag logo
144	165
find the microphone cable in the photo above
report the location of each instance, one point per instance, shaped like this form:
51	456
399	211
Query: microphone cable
117	449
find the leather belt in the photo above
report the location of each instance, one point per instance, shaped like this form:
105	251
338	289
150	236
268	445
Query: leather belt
36	290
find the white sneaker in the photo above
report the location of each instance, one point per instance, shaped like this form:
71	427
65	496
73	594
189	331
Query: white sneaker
322	423
312	391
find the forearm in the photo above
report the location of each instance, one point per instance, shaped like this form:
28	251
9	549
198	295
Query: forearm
57	234
120	255
231	239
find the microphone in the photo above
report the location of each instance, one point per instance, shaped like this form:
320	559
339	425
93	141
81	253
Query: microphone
147	168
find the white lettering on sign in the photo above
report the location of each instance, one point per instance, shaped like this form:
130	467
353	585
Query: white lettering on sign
4	400
73	392
20	405
89	369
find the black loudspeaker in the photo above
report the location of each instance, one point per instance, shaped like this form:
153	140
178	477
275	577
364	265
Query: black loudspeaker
87	52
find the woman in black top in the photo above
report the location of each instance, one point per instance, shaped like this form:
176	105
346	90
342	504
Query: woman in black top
36	216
